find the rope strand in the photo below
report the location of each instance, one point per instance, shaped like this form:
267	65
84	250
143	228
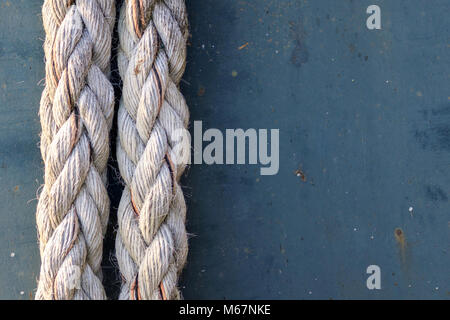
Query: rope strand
151	243
76	113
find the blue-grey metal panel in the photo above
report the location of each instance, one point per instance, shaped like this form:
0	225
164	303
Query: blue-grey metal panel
364	114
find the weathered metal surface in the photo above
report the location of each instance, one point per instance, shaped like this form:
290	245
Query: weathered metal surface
364	119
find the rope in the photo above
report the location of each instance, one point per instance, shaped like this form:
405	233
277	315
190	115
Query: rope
151	243
76	112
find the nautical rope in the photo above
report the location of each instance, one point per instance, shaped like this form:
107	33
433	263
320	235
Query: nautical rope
151	243
76	113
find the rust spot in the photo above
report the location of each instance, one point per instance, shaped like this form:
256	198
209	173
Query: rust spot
201	91
243	46
136	211
16	188
135	294
138	17
299	173
400	237
401	241
162	291
137	69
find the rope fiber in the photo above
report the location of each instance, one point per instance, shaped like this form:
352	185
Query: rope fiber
151	243
76	113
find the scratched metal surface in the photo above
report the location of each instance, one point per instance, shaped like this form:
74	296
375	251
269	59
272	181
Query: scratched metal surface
365	116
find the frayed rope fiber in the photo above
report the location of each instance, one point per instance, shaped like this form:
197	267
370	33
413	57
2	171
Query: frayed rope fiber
76	113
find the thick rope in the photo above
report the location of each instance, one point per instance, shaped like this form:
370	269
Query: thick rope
76	115
151	243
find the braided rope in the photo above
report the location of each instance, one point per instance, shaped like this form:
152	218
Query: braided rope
76	112
151	244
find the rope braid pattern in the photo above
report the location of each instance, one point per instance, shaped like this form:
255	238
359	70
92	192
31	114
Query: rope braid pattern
76	113
151	243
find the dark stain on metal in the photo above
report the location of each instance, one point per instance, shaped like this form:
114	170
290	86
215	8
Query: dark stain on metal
436	135
435	193
351	47
300	54
434	138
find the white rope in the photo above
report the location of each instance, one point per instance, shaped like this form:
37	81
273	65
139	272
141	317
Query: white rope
151	243
76	114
